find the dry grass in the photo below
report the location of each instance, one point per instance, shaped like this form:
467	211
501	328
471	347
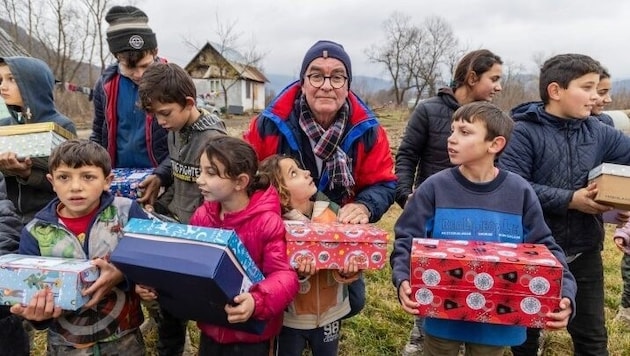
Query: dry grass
382	328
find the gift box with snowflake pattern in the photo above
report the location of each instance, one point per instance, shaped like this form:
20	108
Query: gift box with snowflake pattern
21	276
33	140
498	283
331	245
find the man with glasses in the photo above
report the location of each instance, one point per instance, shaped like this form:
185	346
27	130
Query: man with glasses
321	123
131	136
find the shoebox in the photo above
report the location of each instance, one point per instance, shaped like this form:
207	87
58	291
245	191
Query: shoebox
33	140
195	270
330	245
498	283
612	182
21	276
126	180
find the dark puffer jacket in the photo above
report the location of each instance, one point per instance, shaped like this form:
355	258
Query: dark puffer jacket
422	151
555	155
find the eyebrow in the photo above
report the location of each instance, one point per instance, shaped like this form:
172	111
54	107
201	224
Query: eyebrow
339	69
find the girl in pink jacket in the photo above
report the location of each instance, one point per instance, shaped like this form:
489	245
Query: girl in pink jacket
236	197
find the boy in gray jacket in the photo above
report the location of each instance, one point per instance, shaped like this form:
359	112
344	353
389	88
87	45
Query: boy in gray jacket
168	92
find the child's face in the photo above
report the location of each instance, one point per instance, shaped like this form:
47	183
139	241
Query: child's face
298	182
79	189
578	99
603	93
135	73
212	182
467	143
489	84
172	116
9	88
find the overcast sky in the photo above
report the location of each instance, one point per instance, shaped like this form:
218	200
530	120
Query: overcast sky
285	29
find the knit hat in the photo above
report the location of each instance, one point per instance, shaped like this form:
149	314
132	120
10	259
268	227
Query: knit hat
129	30
326	49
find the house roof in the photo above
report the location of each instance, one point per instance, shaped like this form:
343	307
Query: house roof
9	47
234	59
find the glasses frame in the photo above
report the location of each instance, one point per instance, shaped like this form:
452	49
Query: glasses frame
329	77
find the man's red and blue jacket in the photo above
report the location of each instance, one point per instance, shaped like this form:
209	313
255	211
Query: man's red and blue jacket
277	131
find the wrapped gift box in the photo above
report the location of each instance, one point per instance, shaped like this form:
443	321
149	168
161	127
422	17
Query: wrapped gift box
196	271
126	180
33	140
499	283
330	245
612	182
22	276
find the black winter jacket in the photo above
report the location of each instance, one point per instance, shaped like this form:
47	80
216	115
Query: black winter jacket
422	151
555	155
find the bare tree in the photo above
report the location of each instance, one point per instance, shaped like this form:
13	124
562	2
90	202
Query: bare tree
415	56
97	10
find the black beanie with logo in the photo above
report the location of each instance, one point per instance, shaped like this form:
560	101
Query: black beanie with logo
129	30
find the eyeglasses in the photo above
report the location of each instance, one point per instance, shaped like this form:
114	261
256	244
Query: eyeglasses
336	80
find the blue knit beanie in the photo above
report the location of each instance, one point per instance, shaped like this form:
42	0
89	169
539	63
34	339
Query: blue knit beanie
326	49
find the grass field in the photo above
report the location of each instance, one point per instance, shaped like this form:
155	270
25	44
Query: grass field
382	328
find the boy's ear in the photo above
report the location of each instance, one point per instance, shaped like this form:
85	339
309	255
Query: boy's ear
242	181
190	102
497	145
50	179
108	181
553	90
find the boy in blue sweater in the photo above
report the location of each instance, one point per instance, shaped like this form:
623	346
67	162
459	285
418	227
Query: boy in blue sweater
475	190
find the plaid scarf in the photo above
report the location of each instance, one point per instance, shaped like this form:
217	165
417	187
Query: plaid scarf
338	164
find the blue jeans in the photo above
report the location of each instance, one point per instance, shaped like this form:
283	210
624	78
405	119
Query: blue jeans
356	297
323	341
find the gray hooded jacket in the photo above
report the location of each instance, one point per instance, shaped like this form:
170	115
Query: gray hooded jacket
36	82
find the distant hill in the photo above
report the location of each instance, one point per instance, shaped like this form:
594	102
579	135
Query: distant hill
277	82
621	85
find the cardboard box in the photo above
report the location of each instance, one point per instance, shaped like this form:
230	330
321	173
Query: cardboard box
126	180
21	276
498	283
33	140
612	185
195	270
330	245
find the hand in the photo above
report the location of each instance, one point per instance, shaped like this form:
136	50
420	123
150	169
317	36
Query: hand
150	187
620	243
404	294
622	218
306	267
350	268
243	310
582	200
10	165
110	276
560	319
354	213
145	292
41	307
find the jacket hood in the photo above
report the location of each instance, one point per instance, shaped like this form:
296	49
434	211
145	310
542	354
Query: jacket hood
261	201
36	83
448	97
534	111
208	121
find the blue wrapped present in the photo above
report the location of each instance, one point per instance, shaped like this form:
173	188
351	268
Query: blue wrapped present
21	276
195	270
126	180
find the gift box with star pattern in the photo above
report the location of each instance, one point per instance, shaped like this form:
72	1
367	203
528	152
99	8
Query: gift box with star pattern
126	180
499	283
21	276
330	245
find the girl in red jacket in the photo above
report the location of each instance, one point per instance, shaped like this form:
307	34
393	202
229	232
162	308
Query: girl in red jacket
236	197
314	317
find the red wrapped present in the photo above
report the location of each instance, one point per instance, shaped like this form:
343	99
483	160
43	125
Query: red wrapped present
499	283
330	245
